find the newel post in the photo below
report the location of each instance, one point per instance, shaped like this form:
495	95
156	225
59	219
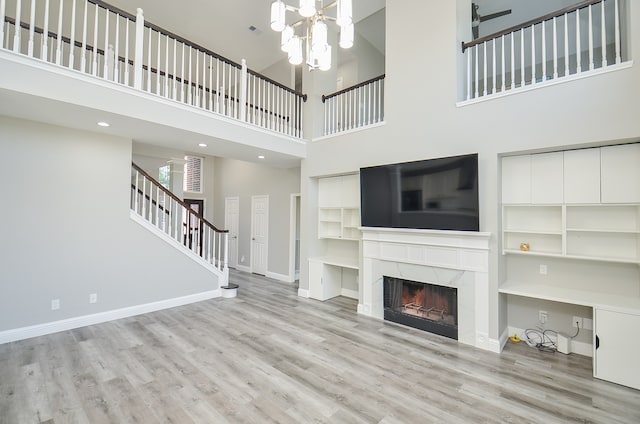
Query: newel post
225	269
137	62
243	94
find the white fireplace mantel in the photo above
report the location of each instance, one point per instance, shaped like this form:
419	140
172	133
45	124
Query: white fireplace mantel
457	259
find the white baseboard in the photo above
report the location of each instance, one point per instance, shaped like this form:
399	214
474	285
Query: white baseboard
279	277
351	294
303	293
82	321
243	268
579	348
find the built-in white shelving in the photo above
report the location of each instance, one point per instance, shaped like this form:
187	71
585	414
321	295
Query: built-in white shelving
591	232
339	223
580	204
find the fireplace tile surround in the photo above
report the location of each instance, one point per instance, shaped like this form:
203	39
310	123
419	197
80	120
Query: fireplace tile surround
458	259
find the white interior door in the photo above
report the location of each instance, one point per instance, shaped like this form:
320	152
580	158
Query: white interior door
259	234
231	223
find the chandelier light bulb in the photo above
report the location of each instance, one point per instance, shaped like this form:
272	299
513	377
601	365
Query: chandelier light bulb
319	37
295	50
346	36
344	13
285	38
307	8
324	61
278	12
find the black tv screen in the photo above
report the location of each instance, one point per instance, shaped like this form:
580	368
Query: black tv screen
437	194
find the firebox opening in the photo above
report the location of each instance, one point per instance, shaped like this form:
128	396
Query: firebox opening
424	306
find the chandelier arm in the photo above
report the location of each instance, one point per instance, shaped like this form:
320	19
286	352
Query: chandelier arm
329	6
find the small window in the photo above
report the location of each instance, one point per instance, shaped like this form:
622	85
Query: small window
193	174
164	176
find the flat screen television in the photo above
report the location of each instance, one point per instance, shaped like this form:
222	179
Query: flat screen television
437	194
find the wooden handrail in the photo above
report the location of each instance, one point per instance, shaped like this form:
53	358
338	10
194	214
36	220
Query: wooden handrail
177	199
162	31
353	87
153	70
529	23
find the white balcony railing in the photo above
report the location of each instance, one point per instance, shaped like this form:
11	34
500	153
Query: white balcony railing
95	38
571	42
355	107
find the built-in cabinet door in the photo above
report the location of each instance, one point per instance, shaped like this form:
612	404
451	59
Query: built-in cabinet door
621	173
315	280
329	192
350	191
516	179
546	178
582	176
618	347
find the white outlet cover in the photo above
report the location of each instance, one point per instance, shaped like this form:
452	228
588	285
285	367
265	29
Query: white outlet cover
55	304
543	269
93	298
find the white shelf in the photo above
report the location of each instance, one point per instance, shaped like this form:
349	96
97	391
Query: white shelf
572	296
550	233
339	223
341	262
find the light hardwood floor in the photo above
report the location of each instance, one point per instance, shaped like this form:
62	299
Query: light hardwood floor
269	356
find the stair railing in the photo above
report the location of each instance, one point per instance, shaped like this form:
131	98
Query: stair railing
570	42
95	38
169	214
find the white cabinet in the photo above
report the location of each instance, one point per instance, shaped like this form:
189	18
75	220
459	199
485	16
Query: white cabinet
339	207
620	167
516	179
582	176
546	178
617	347
327	277
568	214
533	179
329	192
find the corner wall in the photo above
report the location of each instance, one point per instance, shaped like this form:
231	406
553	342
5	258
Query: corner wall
66	230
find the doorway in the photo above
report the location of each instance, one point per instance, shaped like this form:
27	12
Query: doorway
294	238
259	234
192	226
231	223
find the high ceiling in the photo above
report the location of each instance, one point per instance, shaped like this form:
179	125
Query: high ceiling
223	25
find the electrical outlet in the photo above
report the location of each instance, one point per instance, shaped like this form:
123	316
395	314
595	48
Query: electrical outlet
55	304
542	317
242	259
576	322
93	298
543	270
587	323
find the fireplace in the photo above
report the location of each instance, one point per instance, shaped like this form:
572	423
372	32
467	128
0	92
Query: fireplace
424	306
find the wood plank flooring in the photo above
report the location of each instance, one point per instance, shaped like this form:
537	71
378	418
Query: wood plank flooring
269	356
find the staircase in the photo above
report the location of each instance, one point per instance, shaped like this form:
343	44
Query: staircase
163	213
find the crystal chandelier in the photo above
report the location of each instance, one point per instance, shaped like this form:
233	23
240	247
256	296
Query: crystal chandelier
313	20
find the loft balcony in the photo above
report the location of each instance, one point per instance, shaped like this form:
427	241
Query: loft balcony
90	55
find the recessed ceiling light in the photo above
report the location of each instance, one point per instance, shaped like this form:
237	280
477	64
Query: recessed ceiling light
202	144
260	157
104	124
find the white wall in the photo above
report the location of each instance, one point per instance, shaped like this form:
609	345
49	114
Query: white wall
234	178
423	121
66	230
